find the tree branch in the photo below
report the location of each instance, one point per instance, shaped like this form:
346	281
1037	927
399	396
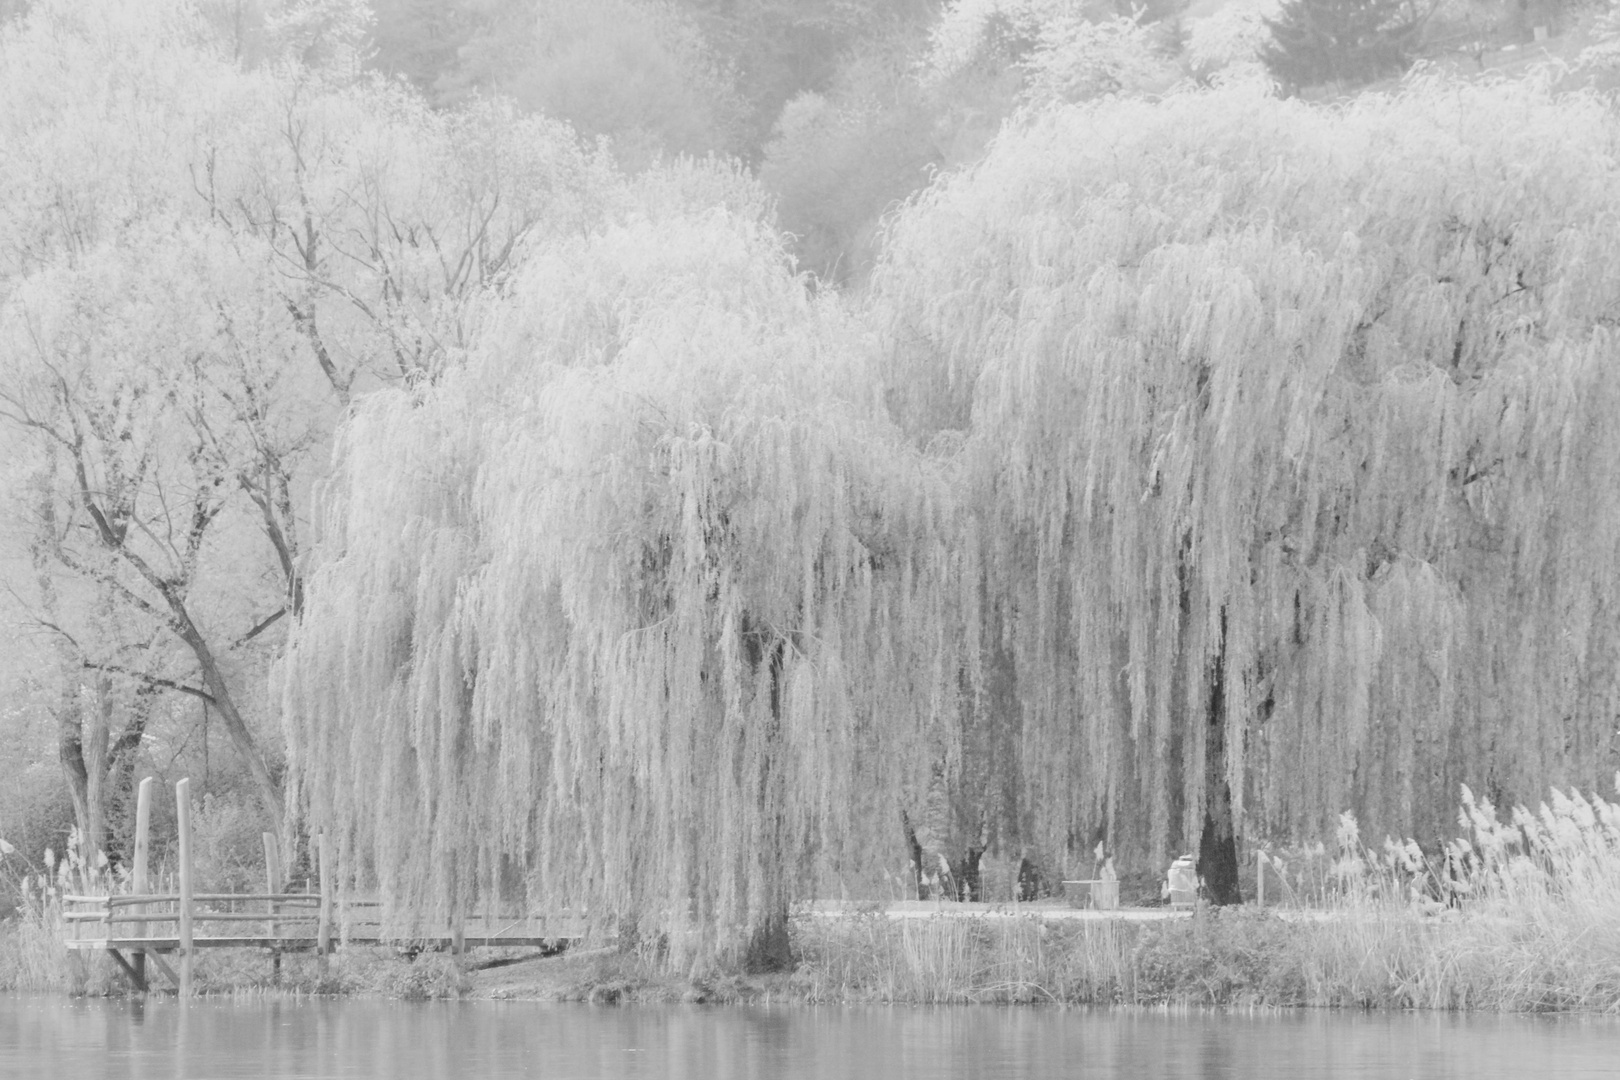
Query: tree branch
306	325
259	628
155	681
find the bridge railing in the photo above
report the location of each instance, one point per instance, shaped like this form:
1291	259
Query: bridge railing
138	915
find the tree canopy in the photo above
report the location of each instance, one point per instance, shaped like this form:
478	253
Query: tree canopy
642	632
1192	470
200	266
1245	392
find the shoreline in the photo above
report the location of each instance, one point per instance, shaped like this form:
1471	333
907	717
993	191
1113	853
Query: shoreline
1364	958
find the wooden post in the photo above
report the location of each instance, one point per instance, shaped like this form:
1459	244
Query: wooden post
140	882
272	885
323	935
1260	877
182	807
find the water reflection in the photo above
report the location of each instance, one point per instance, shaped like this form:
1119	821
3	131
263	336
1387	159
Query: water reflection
52	1037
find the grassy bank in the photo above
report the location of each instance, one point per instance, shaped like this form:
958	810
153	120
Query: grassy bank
1359	958
1370	956
1382	958
1520	916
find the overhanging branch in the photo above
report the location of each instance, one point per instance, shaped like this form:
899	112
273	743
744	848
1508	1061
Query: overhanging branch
155	681
263	625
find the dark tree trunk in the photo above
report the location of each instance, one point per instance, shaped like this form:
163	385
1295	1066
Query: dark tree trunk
967	877
915	850
1029	880
119	788
967	874
1217	845
241	737
770	948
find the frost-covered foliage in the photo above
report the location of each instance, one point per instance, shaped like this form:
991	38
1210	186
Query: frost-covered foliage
1604	52
971	31
1076	59
325	36
1065	52
1227	45
619	615
1268	418
320	40
200	264
1218	453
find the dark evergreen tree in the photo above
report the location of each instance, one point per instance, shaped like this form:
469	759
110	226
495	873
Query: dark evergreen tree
1345	41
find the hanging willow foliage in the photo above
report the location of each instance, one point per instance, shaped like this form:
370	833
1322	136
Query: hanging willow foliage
623	607
1220	459
1299	421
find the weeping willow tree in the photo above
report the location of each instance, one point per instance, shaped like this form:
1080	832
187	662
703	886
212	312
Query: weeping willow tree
621	615
1195	469
1285	440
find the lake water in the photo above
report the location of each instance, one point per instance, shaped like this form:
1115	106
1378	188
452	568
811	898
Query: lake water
63	1039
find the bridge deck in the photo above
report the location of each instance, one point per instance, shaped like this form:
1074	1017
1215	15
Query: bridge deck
310	944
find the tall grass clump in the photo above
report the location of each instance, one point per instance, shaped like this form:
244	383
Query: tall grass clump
1514	915
32	954
985	959
1542	893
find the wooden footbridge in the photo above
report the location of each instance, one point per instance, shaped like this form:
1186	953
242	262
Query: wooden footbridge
145	926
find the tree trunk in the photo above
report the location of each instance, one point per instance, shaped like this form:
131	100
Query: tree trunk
70	751
915	850
969	886
99	769
93	841
241	738
1217	845
180	623
118	789
770	949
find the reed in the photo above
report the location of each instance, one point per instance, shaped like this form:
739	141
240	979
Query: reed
31	953
956	960
1515	916
1376	957
32	956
